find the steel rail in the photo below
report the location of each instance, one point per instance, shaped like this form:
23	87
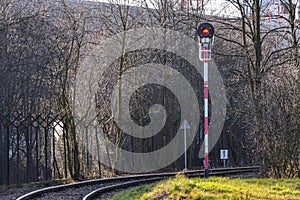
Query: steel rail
134	179
96	193
195	173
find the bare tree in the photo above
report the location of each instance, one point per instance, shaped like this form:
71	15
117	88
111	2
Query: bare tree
262	46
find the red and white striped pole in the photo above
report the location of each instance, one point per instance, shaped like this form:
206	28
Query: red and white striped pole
205	32
205	80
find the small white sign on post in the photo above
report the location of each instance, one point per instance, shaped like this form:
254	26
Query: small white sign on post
224	154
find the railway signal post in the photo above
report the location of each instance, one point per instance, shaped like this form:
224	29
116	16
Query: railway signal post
205	33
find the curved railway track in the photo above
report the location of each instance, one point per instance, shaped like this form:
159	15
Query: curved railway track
94	189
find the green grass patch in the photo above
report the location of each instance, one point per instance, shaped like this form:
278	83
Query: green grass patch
216	188
134	193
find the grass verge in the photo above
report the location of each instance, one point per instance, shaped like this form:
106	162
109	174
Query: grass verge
216	188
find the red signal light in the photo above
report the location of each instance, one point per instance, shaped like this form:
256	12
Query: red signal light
205	31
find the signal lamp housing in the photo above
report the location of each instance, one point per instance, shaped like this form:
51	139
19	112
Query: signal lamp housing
206	30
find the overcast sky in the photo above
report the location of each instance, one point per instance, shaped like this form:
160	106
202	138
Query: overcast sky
213	7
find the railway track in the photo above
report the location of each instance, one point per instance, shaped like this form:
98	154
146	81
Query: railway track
93	189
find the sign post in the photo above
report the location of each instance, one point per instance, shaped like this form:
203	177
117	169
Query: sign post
205	32
185	125
224	156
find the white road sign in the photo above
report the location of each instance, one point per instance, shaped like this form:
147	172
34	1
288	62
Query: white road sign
224	154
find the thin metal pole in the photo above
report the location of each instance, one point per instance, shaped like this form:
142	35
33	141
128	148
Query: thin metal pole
7	155
18	155
185	157
185	125
46	153
206	57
